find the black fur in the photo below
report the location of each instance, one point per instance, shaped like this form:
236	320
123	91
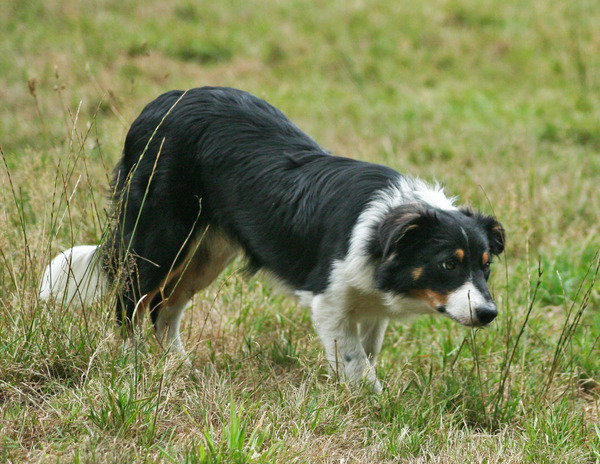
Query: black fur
209	172
223	158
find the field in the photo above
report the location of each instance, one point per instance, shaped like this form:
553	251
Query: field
499	100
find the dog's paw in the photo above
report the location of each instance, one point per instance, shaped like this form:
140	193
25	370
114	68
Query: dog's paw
376	387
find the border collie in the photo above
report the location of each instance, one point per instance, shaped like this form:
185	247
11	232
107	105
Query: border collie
210	172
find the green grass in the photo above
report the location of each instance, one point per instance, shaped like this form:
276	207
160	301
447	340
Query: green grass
499	100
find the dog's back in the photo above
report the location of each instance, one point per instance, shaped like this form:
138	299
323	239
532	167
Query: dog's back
223	158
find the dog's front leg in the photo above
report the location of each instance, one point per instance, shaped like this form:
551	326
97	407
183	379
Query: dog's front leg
339	334
371	336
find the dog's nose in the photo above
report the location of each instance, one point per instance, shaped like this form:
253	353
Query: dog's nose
486	313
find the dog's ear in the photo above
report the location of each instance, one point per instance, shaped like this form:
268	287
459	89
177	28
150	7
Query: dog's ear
402	222
494	230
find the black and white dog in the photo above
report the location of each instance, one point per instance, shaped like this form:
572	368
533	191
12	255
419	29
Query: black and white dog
211	172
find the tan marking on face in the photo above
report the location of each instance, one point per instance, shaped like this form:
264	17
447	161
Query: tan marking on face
459	254
486	258
417	272
431	297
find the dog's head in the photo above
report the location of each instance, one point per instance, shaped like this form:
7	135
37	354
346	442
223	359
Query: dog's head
441	259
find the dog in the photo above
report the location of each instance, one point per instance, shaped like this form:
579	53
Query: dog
211	172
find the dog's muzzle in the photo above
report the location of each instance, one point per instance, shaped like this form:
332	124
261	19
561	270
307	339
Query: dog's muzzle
486	313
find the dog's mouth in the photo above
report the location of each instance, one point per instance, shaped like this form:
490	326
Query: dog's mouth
473	321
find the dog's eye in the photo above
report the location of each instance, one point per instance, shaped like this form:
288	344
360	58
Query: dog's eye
449	265
487	266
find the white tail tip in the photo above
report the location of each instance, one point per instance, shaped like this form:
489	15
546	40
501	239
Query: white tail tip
74	276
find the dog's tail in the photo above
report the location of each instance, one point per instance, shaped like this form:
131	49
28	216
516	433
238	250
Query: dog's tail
75	276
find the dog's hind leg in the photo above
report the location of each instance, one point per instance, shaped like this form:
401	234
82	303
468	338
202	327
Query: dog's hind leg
200	268
142	264
166	316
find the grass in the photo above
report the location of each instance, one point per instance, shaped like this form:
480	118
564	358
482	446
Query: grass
499	100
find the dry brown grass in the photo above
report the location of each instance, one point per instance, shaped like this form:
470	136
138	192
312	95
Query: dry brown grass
499	100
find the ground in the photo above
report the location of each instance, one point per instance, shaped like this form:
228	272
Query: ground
498	100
